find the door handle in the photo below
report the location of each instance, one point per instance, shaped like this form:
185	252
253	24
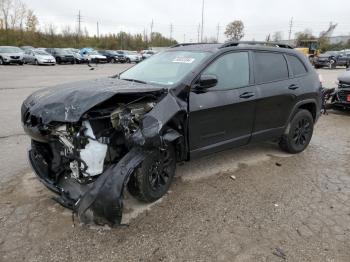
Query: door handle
293	87
247	95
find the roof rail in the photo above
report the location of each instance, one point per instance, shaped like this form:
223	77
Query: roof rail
187	44
272	44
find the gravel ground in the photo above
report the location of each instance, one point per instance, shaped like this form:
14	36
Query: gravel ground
253	203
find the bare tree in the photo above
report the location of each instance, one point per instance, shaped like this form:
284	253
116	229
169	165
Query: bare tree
277	36
31	21
235	30
22	13
5	11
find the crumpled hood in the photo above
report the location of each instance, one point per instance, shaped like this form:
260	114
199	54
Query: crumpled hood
68	102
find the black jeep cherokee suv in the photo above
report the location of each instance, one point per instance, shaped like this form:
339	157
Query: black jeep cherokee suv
91	139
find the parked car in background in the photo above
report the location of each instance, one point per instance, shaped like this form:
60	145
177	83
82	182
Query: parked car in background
38	57
11	55
93	56
78	58
131	56
332	59
112	56
61	55
121	56
27	47
147	53
340	99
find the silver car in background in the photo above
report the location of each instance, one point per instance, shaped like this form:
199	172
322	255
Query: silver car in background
11	55
38	57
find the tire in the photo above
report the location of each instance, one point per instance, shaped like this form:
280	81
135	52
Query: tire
299	132
1	61
36	62
21	63
114	61
153	178
58	60
128	61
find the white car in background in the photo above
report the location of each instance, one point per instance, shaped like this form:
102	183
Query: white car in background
94	56
38	57
131	56
11	55
147	53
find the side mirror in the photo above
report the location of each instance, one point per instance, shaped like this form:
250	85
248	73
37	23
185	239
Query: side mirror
207	81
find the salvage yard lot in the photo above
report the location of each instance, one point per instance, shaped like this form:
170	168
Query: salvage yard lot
239	205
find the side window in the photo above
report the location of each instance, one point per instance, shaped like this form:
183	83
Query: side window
270	67
297	67
231	70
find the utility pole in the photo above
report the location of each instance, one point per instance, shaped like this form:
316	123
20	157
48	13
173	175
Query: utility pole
79	23
202	21
151	31
217	33
198	31
290	28
98	31
171	31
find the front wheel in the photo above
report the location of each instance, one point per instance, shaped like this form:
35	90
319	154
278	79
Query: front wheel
299	133
1	61
152	179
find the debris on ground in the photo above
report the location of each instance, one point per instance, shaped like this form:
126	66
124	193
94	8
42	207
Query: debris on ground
278	164
279	253
233	177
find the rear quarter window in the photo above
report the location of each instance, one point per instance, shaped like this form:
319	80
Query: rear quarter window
297	67
270	67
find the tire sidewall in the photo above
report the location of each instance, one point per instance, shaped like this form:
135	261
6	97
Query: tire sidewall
293	148
144	191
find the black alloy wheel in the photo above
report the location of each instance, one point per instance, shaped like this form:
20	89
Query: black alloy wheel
153	178
299	132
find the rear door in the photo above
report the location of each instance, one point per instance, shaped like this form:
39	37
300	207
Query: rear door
223	116
278	92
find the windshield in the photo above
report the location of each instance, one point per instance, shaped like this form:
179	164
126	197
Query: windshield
39	52
10	50
61	51
165	68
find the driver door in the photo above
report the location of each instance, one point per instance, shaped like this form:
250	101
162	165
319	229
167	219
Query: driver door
222	117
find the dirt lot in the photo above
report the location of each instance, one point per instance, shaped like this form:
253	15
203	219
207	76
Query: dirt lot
278	205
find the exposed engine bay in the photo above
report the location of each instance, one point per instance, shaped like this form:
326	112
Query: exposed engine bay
83	148
89	158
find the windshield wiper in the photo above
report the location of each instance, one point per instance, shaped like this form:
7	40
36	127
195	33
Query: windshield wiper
134	80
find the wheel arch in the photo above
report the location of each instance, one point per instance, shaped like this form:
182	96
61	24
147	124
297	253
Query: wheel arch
309	105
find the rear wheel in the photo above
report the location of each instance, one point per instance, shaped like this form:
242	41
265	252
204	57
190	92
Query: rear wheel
152	179
299	133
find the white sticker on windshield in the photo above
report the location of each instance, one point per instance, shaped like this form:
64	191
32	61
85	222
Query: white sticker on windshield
185	60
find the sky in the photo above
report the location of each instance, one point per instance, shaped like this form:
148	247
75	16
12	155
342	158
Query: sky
260	17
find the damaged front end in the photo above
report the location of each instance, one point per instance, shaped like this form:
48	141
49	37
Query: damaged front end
88	162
